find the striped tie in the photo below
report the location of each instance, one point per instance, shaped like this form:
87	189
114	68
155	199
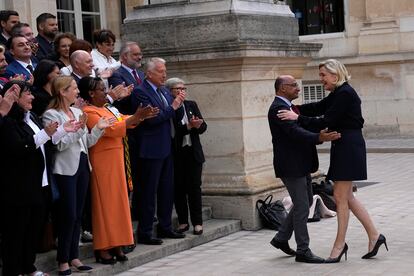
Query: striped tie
128	164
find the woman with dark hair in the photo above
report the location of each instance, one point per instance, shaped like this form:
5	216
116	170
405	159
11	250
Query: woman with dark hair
44	74
103	61
62	44
26	179
111	218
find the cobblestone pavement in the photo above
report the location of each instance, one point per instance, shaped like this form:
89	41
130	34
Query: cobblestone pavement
390	202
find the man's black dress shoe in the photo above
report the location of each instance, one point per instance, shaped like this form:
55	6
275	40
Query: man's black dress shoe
284	246
170	234
150	241
308	257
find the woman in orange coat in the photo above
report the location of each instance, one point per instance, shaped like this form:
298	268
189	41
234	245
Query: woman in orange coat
111	219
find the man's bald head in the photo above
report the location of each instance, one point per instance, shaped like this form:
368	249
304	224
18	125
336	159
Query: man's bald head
82	63
287	87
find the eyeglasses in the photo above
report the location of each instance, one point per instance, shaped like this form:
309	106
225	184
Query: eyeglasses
295	84
180	88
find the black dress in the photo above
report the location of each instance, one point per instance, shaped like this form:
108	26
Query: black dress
340	111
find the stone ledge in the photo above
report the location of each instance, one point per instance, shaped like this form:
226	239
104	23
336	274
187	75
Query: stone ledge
213	229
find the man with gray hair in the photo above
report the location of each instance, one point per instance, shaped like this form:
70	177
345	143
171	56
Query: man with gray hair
130	56
154	151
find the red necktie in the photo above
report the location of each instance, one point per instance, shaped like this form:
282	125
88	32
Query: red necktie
295	109
137	79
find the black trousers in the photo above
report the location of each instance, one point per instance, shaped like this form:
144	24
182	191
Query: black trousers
187	186
72	197
22	227
300	191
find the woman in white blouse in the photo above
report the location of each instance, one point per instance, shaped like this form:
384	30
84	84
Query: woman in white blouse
71	169
103	61
26	179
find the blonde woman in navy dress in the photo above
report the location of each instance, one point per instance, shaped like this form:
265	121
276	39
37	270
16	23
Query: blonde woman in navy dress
341	112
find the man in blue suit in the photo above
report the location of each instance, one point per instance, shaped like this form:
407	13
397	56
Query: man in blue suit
22	63
294	159
130	56
154	149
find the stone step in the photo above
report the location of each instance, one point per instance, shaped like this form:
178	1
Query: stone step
213	229
47	261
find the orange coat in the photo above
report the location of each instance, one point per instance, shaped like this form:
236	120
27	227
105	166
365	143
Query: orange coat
111	218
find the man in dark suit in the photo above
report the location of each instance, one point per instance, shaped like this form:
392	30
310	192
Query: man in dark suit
8	19
294	158
47	28
129	73
155	164
22	63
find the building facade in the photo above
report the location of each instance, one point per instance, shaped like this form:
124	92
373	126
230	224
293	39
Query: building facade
375	39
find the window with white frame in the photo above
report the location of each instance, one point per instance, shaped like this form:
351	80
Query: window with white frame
318	16
312	92
81	17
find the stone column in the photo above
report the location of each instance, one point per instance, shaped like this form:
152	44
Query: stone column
229	53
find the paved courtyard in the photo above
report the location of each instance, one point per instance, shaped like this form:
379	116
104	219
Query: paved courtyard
390	202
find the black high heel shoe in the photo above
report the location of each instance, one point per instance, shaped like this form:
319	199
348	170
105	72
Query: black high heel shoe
338	259
118	254
381	240
101	260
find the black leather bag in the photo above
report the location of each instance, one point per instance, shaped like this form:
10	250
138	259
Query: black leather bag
271	213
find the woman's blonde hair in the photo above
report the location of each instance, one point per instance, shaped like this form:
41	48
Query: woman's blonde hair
58	84
335	67
2	49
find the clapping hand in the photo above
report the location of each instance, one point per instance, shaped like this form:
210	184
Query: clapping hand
195	122
51	128
147	112
10	97
83	119
119	92
79	102
72	126
178	100
104	122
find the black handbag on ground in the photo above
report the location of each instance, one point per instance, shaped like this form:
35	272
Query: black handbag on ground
271	213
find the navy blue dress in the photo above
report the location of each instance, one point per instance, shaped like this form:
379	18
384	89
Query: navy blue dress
340	111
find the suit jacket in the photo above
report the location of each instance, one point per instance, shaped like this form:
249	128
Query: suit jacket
68	149
341	110
45	48
181	130
153	136
121	75
3	40
22	172
16	68
294	148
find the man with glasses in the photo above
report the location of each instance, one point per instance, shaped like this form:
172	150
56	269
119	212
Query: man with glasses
294	159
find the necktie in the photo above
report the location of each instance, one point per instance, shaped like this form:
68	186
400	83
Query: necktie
30	67
162	98
137	79
295	109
